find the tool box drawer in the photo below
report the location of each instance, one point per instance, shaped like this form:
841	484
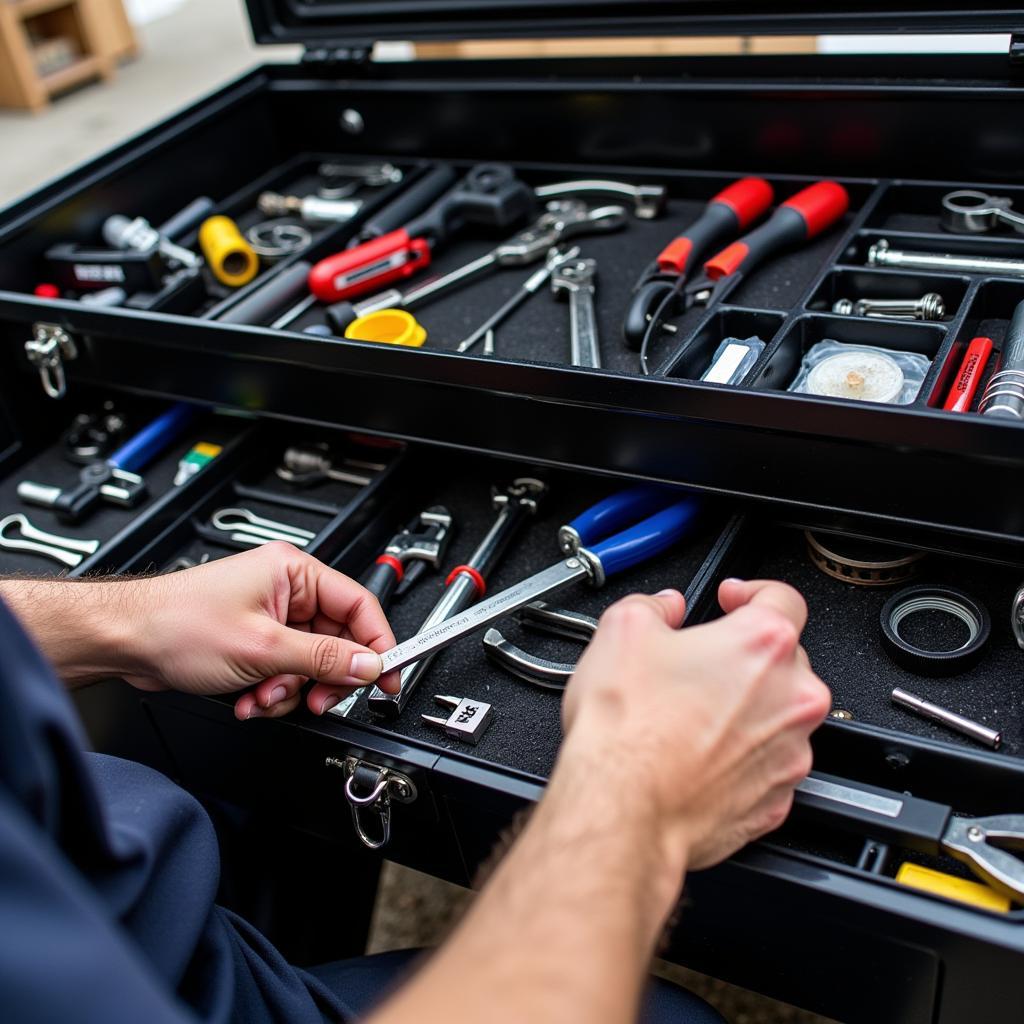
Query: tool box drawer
403	133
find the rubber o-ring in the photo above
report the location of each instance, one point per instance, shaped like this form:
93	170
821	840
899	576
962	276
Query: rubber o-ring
926	597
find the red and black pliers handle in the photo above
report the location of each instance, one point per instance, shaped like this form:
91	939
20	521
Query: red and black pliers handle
800	218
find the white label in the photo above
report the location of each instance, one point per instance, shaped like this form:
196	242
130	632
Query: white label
98	272
727	363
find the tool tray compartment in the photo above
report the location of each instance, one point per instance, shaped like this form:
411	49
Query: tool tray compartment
608	119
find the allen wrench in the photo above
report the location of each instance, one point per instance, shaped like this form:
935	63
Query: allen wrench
540	617
67	550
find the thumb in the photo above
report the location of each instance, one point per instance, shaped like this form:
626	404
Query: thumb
320	656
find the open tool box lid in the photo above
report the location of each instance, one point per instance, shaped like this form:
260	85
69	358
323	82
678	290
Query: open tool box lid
323	22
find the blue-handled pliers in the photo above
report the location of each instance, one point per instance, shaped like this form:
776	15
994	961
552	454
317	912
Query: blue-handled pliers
614	535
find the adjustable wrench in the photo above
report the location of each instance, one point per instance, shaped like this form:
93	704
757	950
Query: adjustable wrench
577	280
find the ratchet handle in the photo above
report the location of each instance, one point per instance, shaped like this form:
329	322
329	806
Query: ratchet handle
880	814
735	207
798	219
369	266
612	514
153	438
646	539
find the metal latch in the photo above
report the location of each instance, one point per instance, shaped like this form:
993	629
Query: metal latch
371	788
47	351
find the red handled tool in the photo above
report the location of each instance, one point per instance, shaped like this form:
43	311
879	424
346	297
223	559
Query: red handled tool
733	209
968	377
489	195
799	219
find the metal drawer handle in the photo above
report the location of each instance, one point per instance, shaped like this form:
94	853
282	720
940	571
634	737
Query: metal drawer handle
387	785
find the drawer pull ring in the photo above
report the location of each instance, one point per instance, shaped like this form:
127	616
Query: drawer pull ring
370	790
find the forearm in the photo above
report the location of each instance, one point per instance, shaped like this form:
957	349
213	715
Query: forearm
566	927
85	628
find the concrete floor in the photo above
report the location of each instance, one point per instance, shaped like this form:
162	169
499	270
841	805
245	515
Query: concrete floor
185	55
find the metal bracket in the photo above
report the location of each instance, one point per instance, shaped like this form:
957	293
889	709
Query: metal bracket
47	351
373	788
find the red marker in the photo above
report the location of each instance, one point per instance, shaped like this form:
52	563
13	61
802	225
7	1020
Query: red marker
798	219
961	393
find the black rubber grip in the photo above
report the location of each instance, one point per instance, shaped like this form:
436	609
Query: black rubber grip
265	302
381	581
409	203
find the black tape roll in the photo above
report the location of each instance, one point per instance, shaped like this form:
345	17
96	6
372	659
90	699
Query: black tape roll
961	606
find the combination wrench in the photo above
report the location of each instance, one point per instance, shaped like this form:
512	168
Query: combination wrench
576	279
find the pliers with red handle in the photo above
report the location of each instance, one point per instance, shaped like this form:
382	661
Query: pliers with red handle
666	290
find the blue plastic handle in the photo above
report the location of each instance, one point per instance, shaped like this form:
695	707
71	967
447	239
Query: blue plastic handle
648	538
620	510
153	438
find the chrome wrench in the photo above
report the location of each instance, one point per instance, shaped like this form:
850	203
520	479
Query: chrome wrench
576	279
67	550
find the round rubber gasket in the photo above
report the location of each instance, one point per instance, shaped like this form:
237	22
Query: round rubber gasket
922	598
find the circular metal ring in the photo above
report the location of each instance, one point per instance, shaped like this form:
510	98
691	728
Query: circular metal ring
969	212
1017	617
952	602
863	572
275	239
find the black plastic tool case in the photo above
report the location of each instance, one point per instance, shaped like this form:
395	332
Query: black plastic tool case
794	916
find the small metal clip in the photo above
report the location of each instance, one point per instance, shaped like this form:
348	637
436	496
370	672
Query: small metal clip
467	721
47	351
371	787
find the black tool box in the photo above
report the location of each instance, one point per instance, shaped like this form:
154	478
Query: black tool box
812	915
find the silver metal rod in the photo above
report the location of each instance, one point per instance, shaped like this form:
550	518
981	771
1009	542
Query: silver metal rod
965	726
880	255
1004	394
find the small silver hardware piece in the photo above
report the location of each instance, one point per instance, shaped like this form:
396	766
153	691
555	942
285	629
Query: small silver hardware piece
274	239
309	208
841	715
48	349
928	307
1017	617
965	726
468	719
577	280
352	121
304	465
18	534
968	212
371	789
246	527
648	200
881	255
120	232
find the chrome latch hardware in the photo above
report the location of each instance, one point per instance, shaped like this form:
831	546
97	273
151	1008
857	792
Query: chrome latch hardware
47	351
371	788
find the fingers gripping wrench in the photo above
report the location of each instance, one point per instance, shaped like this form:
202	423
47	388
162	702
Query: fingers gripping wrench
576	279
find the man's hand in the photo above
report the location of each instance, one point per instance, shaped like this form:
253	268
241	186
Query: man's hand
709	724
263	621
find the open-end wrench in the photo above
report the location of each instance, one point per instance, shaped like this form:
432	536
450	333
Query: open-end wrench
529	287
648	200
561	220
68	550
465	584
576	279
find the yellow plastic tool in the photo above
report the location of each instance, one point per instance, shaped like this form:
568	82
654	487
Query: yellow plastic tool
228	255
952	887
391	326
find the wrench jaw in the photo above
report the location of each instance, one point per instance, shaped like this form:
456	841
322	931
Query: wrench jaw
426	539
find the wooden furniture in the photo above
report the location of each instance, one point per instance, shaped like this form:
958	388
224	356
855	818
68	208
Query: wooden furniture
97	32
